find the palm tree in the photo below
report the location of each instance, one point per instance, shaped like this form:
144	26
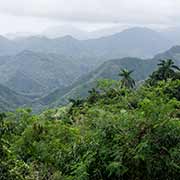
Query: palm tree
127	81
166	69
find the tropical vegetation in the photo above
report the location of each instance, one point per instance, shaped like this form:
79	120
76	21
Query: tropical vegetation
116	133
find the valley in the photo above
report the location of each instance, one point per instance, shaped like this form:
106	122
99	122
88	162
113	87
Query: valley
51	71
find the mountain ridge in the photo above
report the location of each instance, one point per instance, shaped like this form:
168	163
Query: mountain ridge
139	42
109	70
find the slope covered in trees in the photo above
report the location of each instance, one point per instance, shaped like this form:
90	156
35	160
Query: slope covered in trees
43	64
10	100
108	70
117	132
38	73
49	80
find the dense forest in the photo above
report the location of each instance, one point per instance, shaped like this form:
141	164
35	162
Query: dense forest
122	130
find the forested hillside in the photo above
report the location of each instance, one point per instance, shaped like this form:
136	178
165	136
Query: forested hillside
89	90
10	100
120	131
50	71
108	70
48	80
34	73
39	65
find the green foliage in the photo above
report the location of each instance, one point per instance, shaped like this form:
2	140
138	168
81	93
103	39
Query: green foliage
115	133
127	81
166	71
11	167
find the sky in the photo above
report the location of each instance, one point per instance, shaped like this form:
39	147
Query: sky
37	15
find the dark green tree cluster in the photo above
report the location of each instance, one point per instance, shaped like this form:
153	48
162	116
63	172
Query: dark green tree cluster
167	70
127	81
116	133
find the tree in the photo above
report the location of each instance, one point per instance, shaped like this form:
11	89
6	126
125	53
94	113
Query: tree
10	167
167	69
127	81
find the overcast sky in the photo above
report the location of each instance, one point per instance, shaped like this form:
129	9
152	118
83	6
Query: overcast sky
36	15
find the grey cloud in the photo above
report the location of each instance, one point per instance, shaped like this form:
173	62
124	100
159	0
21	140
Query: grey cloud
97	11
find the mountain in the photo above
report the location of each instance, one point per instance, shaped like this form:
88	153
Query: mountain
38	73
107	31
7	47
56	69
41	65
173	53
69	30
135	42
9	100
109	70
173	34
49	80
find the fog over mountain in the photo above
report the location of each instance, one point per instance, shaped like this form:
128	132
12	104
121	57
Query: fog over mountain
37	65
172	33
140	42
44	79
47	46
89	89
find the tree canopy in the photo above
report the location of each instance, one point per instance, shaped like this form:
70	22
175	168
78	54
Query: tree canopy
127	81
115	133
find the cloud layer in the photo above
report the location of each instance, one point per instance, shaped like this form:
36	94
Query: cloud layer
124	11
25	15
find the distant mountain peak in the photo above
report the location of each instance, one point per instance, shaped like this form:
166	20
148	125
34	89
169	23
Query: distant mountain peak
67	38
2	38
175	49
139	30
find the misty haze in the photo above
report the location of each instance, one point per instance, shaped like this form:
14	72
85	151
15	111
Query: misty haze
89	90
